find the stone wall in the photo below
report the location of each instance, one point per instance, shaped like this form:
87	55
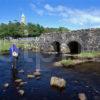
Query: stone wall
88	39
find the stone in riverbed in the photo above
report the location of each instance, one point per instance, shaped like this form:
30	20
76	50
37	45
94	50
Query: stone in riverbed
22	83
37	73
6	85
38	78
18	80
30	76
82	96
57	64
58	82
21	92
21	71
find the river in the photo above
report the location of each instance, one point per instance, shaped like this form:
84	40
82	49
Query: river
76	81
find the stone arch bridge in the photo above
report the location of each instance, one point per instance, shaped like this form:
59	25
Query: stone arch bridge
73	42
70	42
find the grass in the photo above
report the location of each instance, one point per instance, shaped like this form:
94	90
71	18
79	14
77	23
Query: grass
70	62
91	54
67	62
4	45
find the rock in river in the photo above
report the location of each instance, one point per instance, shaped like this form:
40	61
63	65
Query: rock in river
21	71
30	76
6	85
21	92
18	80
22	83
58	82
37	73
82	96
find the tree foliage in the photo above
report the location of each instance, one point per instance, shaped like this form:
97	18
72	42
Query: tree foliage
59	30
15	29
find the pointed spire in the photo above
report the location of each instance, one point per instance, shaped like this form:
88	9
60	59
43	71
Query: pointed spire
23	19
23	15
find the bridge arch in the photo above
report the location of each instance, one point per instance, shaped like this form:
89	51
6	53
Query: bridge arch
56	46
75	47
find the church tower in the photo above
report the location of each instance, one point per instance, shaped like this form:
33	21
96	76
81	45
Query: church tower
23	19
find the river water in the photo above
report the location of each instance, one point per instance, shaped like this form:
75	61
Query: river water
76	81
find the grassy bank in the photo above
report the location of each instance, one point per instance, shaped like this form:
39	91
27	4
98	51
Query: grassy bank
70	63
6	44
67	62
91	54
86	57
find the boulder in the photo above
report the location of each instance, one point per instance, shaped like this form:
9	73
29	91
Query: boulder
58	82
22	83
18	80
21	71
57	64
21	92
38	77
30	76
82	96
37	73
6	85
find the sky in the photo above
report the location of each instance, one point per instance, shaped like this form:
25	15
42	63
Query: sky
72	14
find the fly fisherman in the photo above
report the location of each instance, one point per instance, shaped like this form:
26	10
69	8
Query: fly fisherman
14	55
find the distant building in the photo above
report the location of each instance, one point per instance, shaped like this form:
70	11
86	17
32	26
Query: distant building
23	19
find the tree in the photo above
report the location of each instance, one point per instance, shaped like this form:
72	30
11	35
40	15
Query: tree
63	29
16	29
3	30
34	29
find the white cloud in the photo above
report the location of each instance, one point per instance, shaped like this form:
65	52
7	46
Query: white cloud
33	6
49	8
75	16
36	9
40	12
79	17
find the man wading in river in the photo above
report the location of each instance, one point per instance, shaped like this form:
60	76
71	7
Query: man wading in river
14	55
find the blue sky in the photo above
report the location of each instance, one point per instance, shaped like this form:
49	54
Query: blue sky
73	14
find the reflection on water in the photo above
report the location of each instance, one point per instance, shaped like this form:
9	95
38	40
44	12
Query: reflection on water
40	89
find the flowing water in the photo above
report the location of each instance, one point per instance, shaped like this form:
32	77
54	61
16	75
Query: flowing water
76	81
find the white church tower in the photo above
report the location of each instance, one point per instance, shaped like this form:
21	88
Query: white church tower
23	19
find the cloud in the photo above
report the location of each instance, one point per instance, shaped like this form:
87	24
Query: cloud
75	16
70	16
40	12
33	6
49	8
36	9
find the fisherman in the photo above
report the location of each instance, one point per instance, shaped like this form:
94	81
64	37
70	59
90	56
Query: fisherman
14	55
14	51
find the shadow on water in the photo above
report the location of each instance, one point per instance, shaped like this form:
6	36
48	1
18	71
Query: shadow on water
77	82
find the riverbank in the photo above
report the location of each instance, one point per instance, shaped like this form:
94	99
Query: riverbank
81	58
70	63
6	44
90	54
